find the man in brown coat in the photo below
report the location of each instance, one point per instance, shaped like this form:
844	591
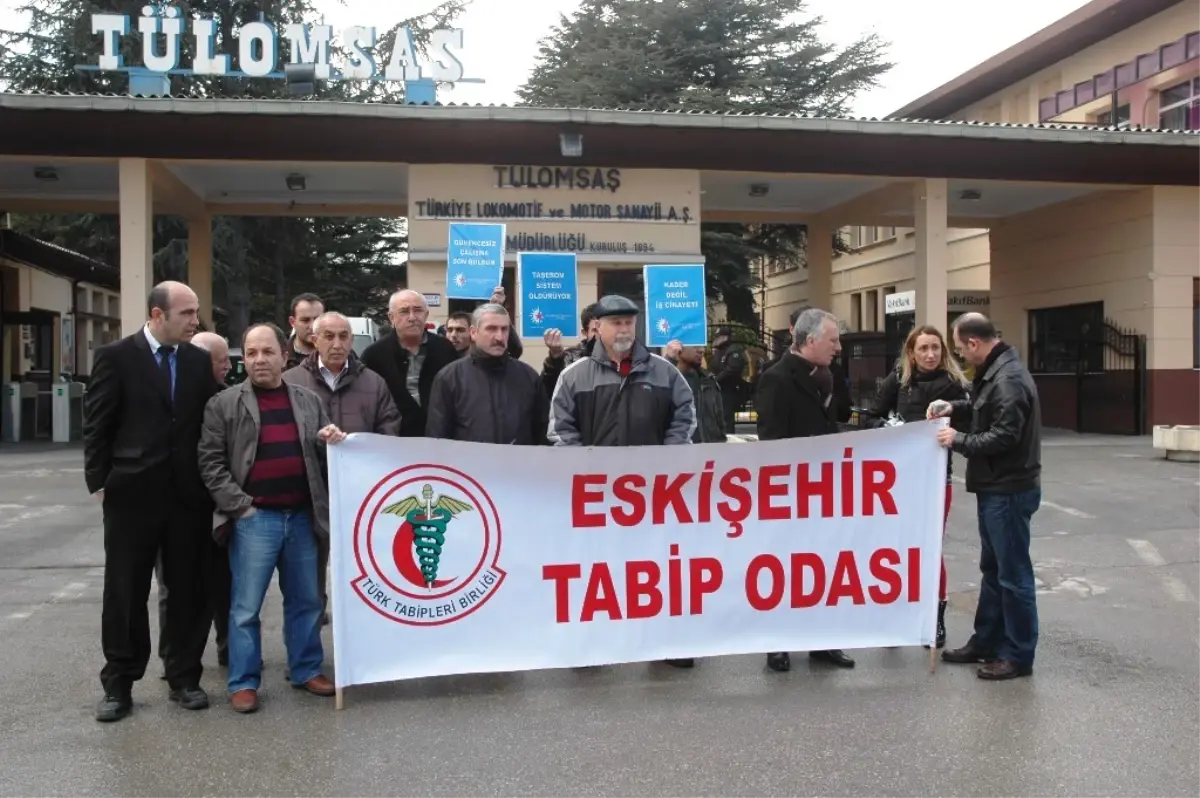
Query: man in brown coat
356	399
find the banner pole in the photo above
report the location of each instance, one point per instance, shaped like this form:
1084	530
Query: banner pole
339	700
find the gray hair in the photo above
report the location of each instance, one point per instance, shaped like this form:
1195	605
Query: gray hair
326	316
808	325
486	309
404	293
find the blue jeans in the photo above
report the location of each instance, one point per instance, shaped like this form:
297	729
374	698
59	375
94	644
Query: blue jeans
1006	622
267	540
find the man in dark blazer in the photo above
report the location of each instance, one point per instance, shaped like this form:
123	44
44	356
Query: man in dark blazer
142	416
796	400
409	359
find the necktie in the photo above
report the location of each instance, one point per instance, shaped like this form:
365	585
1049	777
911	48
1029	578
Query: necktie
164	365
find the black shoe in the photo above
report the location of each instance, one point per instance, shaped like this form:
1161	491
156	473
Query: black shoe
780	661
834	656
940	640
189	697
680	663
113	707
967	655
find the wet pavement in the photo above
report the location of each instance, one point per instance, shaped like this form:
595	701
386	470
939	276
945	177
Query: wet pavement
1113	708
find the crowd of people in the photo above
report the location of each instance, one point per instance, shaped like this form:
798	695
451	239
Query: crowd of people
216	488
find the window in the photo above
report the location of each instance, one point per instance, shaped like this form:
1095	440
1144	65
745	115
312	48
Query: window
1196	322
871	312
1106	119
856	311
1179	106
1064	339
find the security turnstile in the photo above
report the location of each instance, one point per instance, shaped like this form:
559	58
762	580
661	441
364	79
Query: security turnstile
66	411
19	420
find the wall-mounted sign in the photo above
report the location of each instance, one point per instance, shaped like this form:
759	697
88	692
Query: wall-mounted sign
903	302
956	302
575	177
162	29
537	210
573	242
963	301
433	300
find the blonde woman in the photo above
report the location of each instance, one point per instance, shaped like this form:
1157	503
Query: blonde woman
926	371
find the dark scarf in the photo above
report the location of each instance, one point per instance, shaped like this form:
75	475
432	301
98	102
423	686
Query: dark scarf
999	349
492	363
821	375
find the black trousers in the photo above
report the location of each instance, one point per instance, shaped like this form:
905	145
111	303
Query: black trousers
137	528
730	402
220	586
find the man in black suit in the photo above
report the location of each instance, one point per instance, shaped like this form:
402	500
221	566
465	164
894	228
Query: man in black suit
142	416
409	359
796	399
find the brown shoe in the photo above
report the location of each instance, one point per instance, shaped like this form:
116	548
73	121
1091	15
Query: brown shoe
1003	669
244	701
318	685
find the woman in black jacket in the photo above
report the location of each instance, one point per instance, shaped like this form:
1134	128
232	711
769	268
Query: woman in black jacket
926	372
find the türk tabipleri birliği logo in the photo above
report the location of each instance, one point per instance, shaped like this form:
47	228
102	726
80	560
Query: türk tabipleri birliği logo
426	542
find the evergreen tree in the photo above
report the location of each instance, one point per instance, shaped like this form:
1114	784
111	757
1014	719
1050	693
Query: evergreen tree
754	56
258	262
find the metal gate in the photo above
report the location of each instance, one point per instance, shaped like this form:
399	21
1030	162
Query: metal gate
1110	380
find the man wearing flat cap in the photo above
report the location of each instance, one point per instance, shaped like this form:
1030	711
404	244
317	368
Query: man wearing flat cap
589	407
621	394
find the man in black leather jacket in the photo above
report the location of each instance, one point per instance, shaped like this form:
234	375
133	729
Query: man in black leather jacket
1003	451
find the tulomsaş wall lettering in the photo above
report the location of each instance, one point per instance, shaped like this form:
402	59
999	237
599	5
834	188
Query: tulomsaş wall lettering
258	48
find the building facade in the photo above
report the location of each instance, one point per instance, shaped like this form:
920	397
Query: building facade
1076	284
56	308
614	220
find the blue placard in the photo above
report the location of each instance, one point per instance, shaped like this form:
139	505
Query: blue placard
549	293
474	260
676	305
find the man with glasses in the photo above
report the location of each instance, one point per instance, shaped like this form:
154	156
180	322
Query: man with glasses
409	359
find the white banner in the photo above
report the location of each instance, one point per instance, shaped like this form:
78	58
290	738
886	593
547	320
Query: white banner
562	557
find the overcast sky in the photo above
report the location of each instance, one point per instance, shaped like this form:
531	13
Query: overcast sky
931	41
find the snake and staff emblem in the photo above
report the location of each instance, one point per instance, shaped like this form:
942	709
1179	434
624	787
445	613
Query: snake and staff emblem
425	520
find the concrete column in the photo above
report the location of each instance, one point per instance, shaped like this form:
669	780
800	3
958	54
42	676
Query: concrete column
932	253
137	233
200	266
820	266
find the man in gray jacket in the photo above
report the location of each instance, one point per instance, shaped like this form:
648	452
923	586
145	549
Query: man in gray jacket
621	394
262	457
589	406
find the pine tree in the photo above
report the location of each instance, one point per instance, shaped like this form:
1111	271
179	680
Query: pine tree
756	56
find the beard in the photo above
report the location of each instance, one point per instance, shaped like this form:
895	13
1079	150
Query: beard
623	345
